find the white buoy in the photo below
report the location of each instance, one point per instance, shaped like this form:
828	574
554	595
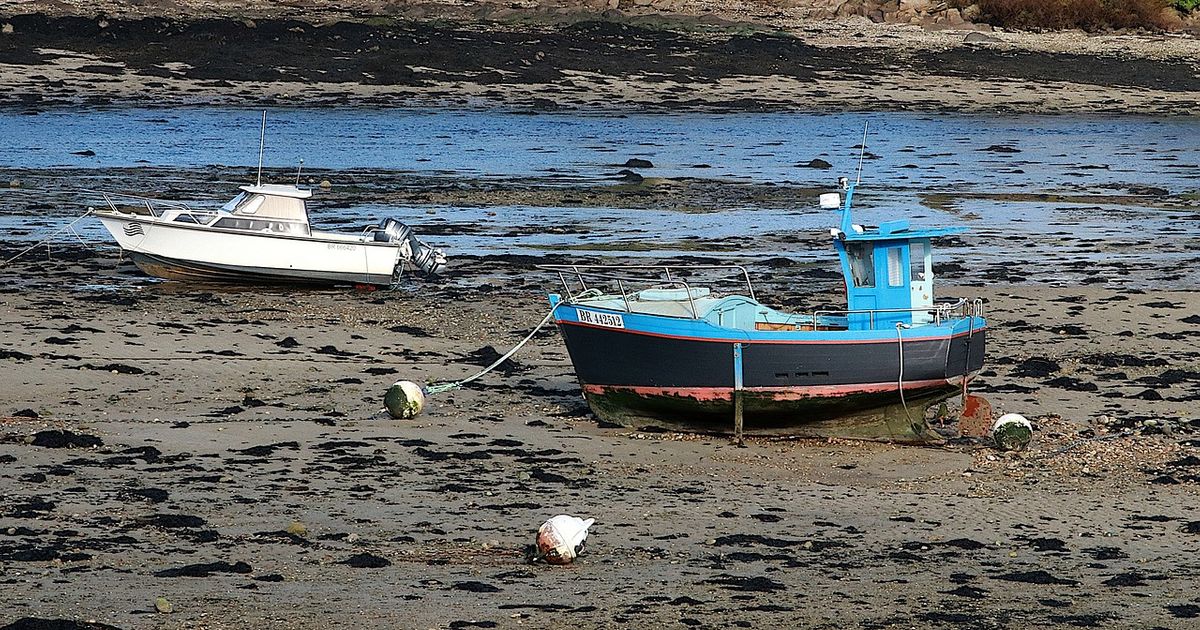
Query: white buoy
1012	432
560	539
404	400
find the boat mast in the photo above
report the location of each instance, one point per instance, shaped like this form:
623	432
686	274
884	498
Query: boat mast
862	150
262	136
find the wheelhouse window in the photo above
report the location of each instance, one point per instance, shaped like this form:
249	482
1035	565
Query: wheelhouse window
895	267
916	261
862	264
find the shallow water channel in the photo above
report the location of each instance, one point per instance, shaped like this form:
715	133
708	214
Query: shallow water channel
1065	195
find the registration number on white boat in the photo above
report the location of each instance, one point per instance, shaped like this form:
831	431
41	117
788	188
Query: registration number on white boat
341	247
608	320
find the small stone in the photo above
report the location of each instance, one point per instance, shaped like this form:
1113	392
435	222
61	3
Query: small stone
297	529
326	184
7	29
979	38
16	183
164	606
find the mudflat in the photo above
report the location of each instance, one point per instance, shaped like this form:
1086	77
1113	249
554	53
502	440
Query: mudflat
224	448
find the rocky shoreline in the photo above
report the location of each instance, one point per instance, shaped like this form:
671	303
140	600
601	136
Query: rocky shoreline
592	61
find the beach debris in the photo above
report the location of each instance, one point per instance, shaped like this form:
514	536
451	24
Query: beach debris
366	561
1012	432
164	605
64	439
404	400
560	539
975	419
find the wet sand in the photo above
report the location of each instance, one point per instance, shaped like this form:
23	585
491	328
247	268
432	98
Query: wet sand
224	448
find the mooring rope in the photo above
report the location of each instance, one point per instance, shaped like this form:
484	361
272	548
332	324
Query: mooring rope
438	388
900	376
48	238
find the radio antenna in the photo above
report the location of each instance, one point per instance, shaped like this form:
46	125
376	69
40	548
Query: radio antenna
862	151
262	137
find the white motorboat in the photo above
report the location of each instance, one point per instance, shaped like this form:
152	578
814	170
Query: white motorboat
262	235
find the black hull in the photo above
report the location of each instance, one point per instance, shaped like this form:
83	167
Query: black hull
843	389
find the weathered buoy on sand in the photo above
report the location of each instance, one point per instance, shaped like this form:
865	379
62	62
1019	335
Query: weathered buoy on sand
404	400
1012	432
560	539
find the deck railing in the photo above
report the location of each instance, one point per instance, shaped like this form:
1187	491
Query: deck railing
154	207
662	275
941	312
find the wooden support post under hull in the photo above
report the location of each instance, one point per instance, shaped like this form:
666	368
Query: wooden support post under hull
737	395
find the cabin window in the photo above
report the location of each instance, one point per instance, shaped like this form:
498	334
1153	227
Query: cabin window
862	264
895	267
916	261
257	225
251	205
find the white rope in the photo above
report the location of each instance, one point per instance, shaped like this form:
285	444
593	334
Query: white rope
47	240
900	376
445	387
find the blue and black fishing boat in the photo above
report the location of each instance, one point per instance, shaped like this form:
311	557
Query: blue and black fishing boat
685	357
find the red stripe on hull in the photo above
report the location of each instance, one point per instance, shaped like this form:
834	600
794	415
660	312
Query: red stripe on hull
713	394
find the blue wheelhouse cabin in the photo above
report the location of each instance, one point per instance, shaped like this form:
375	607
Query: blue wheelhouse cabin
888	270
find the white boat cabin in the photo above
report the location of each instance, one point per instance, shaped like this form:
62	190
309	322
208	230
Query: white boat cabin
268	208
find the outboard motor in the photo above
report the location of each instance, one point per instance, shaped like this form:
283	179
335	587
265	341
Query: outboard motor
428	259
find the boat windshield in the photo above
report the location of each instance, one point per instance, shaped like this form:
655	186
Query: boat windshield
233	203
